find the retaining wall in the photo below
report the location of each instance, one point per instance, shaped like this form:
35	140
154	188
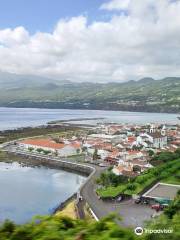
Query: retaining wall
53	163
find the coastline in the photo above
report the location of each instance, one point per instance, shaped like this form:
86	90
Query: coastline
69	165
78	168
135	110
89	109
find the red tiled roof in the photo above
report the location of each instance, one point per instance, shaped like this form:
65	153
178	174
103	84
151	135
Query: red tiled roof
44	143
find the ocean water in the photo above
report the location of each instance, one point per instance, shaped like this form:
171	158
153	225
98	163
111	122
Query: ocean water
28	191
11	118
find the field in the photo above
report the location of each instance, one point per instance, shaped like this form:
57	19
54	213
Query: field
10	135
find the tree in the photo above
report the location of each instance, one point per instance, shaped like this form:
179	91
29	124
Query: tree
151	153
136	168
39	150
131	186
78	151
30	149
95	154
46	152
56	153
174	207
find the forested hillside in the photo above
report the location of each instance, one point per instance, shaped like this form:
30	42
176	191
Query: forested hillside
144	95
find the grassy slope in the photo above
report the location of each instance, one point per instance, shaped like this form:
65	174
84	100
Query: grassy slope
163	172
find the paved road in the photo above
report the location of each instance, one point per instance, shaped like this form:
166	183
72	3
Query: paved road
132	214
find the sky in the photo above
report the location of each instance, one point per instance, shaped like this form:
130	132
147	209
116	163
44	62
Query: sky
90	40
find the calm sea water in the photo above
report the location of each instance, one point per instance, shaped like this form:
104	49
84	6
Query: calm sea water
11	118
27	191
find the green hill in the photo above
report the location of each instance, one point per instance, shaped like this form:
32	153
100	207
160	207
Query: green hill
144	95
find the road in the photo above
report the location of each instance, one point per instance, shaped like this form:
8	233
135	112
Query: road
132	214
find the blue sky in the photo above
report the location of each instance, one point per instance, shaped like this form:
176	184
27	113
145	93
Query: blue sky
42	15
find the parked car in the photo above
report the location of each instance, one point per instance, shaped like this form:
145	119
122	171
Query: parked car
119	199
164	205
157	207
103	165
80	198
145	201
138	200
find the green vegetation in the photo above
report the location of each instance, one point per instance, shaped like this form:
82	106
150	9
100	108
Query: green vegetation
144	95
30	149
64	228
95	154
46	131
162	173
41	150
10	135
174	207
166	156
108	178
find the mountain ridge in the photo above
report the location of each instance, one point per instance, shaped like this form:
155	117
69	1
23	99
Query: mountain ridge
147	94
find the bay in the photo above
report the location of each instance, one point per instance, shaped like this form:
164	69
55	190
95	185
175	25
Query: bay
29	191
11	118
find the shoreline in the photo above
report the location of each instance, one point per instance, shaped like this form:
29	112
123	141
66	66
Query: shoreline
92	109
78	168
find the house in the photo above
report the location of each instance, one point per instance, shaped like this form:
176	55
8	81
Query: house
143	165
157	139
125	170
62	149
106	137
152	140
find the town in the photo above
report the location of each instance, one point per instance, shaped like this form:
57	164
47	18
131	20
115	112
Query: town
128	148
135	165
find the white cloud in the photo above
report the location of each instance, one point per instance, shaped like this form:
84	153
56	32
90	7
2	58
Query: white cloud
13	37
146	42
115	5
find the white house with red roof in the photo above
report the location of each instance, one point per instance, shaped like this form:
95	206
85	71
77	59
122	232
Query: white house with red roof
62	149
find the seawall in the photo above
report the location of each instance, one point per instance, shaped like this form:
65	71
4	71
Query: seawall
63	163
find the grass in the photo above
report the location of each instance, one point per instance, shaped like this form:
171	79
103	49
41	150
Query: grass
172	180
110	191
165	173
36	131
68	211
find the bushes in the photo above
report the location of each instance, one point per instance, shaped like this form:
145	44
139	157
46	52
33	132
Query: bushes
63	228
174	207
110	179
131	186
30	149
167	156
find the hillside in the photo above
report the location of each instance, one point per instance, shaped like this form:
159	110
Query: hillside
144	95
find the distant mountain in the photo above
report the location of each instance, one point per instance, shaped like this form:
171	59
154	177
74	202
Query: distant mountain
146	94
11	80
